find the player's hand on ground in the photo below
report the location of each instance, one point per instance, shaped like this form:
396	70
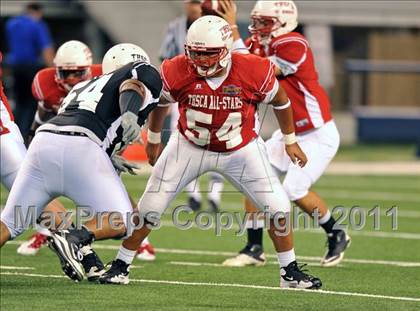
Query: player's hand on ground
153	152
296	154
131	130
228	11
124	166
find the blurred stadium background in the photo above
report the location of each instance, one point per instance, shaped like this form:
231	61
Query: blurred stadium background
367	53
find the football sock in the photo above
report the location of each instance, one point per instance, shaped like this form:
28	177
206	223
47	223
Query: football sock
126	255
215	191
193	190
255	232
42	230
285	258
327	222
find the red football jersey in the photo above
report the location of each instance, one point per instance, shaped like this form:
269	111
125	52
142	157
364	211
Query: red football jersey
48	92
6	114
310	103
220	118
255	47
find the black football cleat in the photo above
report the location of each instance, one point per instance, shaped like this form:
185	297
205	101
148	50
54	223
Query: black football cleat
337	244
91	263
213	207
293	276
69	254
117	274
194	204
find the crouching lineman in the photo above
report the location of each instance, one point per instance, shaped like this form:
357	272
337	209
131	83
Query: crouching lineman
218	93
73	153
272	29
73	64
13	152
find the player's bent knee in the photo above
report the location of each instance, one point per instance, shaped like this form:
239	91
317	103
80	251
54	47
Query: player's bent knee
296	191
14	231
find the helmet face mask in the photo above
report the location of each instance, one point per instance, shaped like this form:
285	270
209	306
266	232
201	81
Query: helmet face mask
262	28
206	60
68	78
270	19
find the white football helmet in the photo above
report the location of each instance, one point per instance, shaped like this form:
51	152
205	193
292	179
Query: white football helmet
270	19
209	45
72	62
122	54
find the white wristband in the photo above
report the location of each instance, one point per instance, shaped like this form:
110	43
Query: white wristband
286	105
290	139
153	137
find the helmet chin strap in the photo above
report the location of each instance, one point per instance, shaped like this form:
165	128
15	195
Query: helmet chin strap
209	72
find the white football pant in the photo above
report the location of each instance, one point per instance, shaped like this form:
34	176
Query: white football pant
319	145
71	166
13	152
248	169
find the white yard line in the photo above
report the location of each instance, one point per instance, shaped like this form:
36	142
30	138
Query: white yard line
196	264
16	268
235	285
229	254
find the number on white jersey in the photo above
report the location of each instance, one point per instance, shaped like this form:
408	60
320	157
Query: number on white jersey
230	131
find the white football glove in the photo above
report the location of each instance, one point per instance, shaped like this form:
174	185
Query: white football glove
124	166
131	130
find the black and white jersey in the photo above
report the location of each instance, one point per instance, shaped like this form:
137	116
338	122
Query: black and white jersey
92	107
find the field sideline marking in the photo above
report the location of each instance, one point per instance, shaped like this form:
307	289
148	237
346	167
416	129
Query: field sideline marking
228	254
325	292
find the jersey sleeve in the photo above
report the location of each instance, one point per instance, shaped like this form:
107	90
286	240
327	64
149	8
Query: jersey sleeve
149	76
266	84
36	88
39	94
168	82
289	54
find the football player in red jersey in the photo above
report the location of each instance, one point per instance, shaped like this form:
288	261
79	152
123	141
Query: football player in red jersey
218	93
273	36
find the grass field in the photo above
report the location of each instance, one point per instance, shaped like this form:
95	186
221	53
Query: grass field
381	270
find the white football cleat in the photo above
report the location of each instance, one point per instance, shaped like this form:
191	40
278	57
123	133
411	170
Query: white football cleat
249	256
146	252
33	245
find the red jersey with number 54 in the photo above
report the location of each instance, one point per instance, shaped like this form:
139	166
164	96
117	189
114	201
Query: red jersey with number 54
48	92
218	114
